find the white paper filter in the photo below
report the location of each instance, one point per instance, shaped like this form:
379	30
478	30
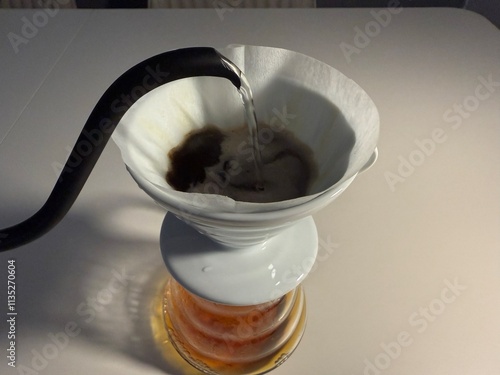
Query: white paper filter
322	107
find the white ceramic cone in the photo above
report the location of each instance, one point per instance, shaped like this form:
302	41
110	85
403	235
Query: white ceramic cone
322	107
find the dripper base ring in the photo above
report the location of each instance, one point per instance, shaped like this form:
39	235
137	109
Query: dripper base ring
239	276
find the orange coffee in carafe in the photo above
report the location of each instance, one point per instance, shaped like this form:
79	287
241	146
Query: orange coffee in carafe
216	337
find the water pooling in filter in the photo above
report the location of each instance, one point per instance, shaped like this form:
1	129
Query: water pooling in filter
233	162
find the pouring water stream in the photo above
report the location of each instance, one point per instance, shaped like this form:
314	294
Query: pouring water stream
253	130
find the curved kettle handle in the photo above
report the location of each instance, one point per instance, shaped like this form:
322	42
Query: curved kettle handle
140	79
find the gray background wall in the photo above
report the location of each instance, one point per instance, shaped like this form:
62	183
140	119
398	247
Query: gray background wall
488	8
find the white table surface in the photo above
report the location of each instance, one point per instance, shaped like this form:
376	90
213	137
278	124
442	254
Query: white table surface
389	253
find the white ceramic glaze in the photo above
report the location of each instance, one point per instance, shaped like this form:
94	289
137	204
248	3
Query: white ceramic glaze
244	276
240	230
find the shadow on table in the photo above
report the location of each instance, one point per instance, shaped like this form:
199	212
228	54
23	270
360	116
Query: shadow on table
103	280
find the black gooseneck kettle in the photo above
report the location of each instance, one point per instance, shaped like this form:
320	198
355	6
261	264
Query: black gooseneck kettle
166	67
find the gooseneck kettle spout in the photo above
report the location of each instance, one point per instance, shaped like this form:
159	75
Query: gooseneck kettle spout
138	80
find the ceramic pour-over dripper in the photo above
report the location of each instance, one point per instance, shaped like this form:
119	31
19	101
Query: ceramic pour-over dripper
234	304
251	247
